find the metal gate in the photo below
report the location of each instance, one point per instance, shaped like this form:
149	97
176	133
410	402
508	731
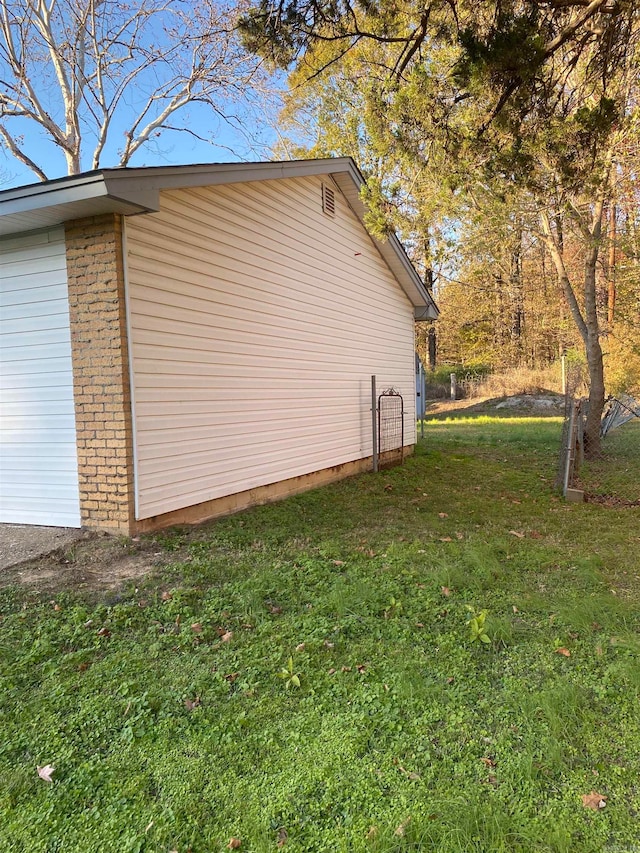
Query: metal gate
391	425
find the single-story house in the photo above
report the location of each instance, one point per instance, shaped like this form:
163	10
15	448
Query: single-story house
181	342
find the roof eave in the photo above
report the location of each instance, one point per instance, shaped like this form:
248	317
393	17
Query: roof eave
52	203
137	190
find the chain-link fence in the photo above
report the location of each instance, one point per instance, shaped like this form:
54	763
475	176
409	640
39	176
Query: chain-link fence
612	475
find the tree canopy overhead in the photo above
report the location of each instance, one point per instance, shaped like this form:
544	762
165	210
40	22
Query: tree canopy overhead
507	43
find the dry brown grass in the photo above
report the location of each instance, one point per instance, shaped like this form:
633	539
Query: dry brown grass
520	380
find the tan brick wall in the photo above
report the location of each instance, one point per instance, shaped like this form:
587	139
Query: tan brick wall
101	372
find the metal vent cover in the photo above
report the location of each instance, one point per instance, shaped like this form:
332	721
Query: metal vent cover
328	200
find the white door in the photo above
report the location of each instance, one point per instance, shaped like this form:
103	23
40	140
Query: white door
38	458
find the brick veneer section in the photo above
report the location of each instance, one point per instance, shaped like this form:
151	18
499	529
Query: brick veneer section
101	372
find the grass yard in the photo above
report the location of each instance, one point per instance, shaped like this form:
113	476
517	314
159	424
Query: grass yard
303	677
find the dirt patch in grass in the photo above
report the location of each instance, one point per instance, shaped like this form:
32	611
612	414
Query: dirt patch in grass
540	404
94	563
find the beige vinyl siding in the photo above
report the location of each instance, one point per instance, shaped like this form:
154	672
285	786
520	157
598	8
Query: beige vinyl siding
256	321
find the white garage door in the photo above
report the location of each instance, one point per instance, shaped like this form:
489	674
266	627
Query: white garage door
38	461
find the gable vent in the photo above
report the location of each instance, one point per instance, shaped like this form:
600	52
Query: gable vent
328	200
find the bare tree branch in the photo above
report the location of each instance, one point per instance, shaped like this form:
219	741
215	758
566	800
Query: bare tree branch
76	69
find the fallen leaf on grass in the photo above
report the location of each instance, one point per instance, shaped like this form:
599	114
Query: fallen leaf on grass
443	515
275	609
373	832
282	837
446	539
409	774
535	534
445	591
564	652
388	487
594	801
338	562
517	533
190	704
231	677
401	830
46	772
196	627
226	636
345	669
104	632
300	647
459	535
361	668
166	596
488	761
331	671
234	843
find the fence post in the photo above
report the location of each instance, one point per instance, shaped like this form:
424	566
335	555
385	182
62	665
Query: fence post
374	422
454	386
580	437
570	451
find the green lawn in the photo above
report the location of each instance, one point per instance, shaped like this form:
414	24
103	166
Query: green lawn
173	718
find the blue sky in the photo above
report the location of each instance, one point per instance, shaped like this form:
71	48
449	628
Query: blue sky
247	135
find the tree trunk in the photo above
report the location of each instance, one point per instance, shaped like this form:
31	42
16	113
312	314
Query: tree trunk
587	325
516	303
592	446
611	272
432	346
